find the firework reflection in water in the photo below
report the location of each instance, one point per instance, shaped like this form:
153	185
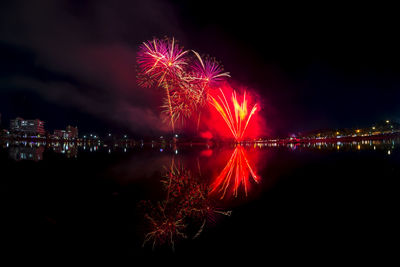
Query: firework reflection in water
187	206
238	171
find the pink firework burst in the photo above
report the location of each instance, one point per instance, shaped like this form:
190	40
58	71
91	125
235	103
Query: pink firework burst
207	71
161	60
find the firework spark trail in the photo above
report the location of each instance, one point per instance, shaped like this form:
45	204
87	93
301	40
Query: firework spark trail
237	171
184	102
207	72
236	120
161	61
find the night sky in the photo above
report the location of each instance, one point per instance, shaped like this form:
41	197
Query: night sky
73	62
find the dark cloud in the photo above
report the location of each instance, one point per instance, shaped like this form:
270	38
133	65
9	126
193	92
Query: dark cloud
83	54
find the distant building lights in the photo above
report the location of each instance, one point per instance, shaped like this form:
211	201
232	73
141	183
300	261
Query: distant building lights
387	121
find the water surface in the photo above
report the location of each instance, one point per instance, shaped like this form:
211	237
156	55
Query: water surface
332	199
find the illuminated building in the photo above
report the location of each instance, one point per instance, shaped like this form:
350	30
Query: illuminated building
69	133
72	132
59	134
27	127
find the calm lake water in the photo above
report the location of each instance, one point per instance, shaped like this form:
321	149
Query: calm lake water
333	200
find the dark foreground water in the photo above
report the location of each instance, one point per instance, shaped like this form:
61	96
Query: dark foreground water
323	201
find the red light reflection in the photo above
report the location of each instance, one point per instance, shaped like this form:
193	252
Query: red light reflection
238	171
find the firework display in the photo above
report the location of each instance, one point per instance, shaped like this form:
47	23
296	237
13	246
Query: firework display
188	79
235	115
194	85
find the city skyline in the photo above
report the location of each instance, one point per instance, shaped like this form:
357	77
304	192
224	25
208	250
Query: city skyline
19	127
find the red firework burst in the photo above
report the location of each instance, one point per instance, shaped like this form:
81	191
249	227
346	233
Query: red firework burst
236	115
